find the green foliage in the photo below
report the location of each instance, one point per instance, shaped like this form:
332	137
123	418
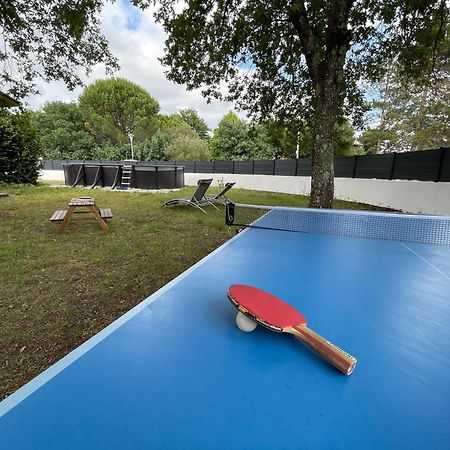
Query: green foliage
164	122
178	131
344	138
233	139
174	140
50	40
153	149
191	117
288	46
185	144
301	60
19	149
305	141
259	143
188	147
414	114
372	140
230	139
111	152
420	117
62	132
171	139
115	107
283	138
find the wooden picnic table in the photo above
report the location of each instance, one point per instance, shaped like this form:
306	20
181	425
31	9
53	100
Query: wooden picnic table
84	205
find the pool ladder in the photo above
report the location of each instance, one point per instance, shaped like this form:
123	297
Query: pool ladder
126	175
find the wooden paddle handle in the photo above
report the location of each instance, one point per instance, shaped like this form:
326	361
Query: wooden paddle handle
340	359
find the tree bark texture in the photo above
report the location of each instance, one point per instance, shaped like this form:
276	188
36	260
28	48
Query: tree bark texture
322	174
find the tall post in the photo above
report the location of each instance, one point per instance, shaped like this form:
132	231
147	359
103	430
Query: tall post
131	136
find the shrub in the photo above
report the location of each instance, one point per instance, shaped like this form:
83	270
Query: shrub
111	152
19	149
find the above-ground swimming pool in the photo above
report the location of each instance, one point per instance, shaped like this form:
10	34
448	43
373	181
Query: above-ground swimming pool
111	175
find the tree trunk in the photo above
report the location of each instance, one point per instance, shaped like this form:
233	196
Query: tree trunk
326	69
328	87
322	176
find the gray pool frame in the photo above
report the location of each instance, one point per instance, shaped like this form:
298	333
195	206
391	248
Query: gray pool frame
110	175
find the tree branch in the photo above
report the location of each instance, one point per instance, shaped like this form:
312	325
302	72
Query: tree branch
299	19
442	14
337	32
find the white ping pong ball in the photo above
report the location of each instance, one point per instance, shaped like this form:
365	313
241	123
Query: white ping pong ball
244	323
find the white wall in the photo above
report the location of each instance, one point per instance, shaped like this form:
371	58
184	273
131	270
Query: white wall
408	196
52	175
270	183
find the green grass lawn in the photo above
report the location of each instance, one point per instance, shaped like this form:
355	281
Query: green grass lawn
56	290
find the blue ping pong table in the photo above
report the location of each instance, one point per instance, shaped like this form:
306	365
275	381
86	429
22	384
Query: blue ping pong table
176	373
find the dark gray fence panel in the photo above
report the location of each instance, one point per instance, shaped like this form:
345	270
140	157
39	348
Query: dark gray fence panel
445	165
189	166
58	163
264	167
223	166
243	167
374	166
204	166
286	167
304	167
422	166
165	163
344	166
428	165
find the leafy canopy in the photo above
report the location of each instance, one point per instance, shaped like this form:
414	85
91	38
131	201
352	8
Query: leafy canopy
153	149
62	132
51	40
233	139
163	122
115	107
230	138
188	147
414	118
191	117
19	149
174	139
414	113
272	54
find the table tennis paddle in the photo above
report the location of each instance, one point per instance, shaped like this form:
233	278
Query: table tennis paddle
277	315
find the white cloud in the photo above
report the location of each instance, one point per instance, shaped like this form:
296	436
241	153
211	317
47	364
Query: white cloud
137	41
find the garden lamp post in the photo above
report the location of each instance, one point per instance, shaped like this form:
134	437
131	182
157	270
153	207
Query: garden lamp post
131	136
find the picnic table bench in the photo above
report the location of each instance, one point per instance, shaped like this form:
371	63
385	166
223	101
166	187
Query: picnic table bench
81	205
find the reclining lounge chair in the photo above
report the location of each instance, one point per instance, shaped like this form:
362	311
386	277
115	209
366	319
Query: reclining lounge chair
220	197
198	199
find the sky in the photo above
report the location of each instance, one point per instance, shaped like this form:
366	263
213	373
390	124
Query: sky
137	41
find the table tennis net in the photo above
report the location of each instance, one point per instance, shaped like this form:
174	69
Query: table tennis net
427	229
